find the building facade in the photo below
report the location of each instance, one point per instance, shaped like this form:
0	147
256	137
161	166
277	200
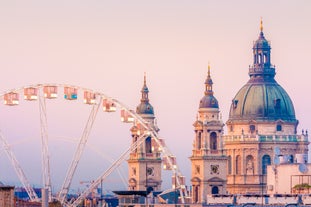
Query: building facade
288	178
262	126
145	162
208	160
7	196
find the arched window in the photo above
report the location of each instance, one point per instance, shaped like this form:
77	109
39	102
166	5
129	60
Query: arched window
148	145
134	140
252	128
266	160
229	165
215	190
213	141
199	139
238	165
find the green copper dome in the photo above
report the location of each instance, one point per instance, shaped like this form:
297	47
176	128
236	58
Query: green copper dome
144	108
262	98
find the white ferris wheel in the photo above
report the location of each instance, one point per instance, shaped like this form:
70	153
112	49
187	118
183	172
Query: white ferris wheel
97	102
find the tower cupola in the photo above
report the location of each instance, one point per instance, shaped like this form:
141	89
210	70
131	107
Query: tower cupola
144	107
208	100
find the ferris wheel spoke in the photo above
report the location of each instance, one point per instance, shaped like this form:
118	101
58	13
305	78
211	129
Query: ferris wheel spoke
18	169
82	143
116	164
46	175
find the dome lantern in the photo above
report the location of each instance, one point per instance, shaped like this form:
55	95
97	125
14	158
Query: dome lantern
208	101
262	58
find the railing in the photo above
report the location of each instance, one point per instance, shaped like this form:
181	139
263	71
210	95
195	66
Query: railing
266	138
202	152
136	155
262	70
247	179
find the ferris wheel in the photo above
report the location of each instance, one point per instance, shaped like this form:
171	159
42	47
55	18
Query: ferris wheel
43	93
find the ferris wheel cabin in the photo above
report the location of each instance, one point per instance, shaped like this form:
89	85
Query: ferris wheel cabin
109	106
30	94
11	99
70	93
126	116
89	97
50	92
169	162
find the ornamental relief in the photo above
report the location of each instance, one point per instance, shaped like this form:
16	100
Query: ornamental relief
251	151
266	151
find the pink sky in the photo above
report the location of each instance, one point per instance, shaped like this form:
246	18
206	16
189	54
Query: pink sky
108	45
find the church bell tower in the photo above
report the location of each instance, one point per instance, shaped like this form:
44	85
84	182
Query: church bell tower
145	162
208	161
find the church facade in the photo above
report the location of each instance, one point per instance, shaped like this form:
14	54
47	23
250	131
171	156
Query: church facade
145	163
208	160
262	126
261	129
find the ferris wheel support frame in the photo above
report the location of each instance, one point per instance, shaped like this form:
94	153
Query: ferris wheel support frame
116	164
64	191
18	169
82	143
45	149
147	132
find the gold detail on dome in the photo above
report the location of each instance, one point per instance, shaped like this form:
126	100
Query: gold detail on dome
209	70
261	26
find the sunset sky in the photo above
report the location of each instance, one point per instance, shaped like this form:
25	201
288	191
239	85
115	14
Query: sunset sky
108	45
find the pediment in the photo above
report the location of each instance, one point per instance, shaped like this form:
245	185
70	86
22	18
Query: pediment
216	179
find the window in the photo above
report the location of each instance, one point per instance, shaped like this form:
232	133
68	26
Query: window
279	127
235	103
199	138
266	160
252	128
229	165
148	145
215	190
277	103
238	165
213	141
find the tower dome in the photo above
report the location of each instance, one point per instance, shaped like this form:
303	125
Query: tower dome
208	100
262	98
144	107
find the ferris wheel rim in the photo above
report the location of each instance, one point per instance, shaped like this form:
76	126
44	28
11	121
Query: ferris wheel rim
119	104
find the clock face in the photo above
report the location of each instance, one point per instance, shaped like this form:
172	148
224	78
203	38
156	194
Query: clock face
215	169
149	171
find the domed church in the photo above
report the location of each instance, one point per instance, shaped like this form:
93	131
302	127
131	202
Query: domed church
262	126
